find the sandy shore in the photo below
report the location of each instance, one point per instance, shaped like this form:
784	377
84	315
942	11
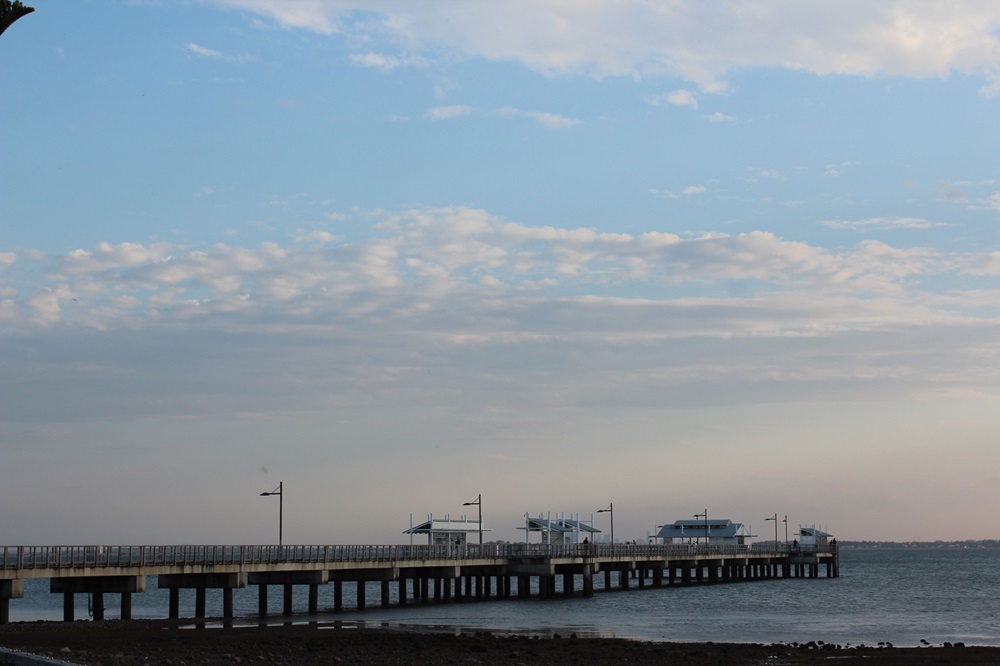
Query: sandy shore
159	642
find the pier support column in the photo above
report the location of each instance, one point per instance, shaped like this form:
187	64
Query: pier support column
567	585
361	594
479	587
227	603
623	579
338	595
446	584
199	603
68	607
425	596
385	593
487	586
9	589
588	584
313	599
402	591
607	579
98	605
287	605
685	575
126	605
657	577
262	600
438	583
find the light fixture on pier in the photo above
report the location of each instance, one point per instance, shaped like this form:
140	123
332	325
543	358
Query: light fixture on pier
775	519
611	510
479	503
279	491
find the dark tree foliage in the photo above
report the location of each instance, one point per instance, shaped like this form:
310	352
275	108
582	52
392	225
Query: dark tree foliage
10	12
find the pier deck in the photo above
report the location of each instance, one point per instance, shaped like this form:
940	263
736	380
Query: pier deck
439	573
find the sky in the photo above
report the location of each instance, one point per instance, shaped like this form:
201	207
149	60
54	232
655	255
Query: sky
676	256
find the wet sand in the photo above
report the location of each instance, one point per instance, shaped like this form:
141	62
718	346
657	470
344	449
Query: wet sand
120	643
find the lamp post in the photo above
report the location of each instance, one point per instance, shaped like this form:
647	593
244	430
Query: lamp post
786	529
611	510
775	519
279	491
704	514
478	503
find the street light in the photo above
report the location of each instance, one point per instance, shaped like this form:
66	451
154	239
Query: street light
786	528
611	510
705	514
775	519
479	503
279	491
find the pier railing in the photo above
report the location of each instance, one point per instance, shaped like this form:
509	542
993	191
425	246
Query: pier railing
70	557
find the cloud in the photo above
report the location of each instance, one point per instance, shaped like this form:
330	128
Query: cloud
994	201
212	54
676	98
881	223
834	170
719	117
387	62
549	120
433	253
449	112
699	42
693	189
757	173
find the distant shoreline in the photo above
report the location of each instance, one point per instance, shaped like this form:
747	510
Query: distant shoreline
979	543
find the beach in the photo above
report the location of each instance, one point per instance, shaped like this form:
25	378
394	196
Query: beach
118	643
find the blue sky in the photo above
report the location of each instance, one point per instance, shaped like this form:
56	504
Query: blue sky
670	255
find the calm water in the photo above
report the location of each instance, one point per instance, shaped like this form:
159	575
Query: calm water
895	595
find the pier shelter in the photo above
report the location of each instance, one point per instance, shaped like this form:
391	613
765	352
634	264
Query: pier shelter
716	531
558	531
447	531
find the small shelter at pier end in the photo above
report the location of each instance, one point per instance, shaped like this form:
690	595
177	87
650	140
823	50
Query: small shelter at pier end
447	531
812	536
558	530
715	531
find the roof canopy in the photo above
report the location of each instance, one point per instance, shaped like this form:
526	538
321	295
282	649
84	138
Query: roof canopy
446	525
691	529
564	525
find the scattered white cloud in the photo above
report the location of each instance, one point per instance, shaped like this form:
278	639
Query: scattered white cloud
881	223
675	98
204	52
757	174
7	260
387	62
212	54
697	41
719	117
694	189
549	120
834	170
994	201
449	112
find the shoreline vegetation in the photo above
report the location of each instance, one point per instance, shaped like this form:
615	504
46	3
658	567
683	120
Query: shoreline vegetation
974	543
126	643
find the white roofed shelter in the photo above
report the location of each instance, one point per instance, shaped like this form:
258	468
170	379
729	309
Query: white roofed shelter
558	530
715	531
447	531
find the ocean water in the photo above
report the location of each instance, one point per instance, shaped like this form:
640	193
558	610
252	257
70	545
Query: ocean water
898	595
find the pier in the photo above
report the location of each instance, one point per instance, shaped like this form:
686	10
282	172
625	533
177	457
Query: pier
422	574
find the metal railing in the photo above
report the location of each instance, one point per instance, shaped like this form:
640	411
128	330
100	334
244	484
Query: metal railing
134	557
